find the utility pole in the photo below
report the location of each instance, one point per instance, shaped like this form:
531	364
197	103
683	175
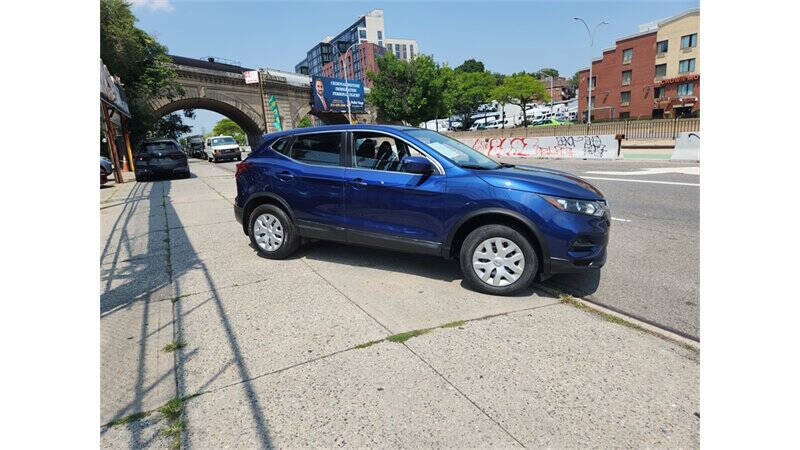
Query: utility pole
589	82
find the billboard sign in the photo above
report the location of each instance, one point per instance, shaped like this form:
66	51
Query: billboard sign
250	76
330	95
111	91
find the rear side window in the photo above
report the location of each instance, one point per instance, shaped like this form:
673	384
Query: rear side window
156	147
281	146
323	149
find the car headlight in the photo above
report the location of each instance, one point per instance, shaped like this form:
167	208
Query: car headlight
586	207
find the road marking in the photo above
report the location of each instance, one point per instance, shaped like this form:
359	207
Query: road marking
692	170
621	220
643	181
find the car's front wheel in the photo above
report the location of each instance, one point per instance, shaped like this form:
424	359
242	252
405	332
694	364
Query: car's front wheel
496	259
272	233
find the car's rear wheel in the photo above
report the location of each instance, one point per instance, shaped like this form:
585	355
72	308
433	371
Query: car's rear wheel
496	259
272	232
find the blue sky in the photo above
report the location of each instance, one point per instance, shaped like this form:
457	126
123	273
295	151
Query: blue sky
506	36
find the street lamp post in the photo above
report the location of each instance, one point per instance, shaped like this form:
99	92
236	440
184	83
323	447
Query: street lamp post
589	81
346	86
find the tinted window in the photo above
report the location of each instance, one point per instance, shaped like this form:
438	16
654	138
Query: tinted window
154	147
281	146
321	149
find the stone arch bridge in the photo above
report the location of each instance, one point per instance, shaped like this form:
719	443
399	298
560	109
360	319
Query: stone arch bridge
220	88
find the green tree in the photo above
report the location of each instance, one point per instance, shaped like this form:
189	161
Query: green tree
170	127
573	82
227	127
140	62
410	92
182	141
305	122
467	91
470	65
500	95
524	89
548	72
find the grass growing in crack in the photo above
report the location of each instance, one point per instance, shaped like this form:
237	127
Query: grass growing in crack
129	418
570	300
174	345
402	337
172	411
368	344
454	324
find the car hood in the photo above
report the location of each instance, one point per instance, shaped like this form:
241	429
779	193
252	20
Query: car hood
225	147
540	181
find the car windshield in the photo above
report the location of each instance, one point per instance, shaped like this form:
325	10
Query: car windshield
155	147
460	154
223	141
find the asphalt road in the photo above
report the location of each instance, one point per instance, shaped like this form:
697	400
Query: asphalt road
653	266
652	271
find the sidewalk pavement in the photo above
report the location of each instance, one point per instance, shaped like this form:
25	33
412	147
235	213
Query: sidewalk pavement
282	353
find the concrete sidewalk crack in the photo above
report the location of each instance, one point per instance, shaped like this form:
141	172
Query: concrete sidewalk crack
465	395
347	297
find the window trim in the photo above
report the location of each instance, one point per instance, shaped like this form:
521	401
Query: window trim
622	102
665	51
656	70
630	78
351	153
690	41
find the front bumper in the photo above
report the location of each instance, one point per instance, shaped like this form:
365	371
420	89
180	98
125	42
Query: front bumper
579	244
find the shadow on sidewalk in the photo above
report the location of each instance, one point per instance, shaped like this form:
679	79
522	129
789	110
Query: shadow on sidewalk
139	286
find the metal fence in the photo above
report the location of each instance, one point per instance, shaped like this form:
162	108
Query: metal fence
632	129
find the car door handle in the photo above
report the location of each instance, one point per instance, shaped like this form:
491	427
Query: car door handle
358	183
285	175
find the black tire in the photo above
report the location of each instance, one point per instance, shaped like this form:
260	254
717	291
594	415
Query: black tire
291	241
140	178
481	234
239	158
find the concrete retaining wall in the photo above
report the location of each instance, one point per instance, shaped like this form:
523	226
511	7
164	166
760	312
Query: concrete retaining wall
580	147
687	147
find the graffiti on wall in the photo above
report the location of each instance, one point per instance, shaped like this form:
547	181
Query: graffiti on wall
590	147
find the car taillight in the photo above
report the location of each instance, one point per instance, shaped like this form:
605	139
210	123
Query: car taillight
241	168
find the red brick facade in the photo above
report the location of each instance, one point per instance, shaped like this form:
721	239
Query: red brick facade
671	102
609	87
367	54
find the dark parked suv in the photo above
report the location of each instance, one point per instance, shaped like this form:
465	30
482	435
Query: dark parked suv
416	190
160	158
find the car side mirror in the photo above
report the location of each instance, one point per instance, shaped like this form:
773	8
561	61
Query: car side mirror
416	164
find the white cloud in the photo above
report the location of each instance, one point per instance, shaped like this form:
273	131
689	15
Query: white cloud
153	5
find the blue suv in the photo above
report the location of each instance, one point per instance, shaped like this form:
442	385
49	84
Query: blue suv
415	190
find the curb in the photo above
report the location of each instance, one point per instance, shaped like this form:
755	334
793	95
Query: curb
659	331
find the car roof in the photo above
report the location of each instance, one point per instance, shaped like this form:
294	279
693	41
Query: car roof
153	141
344	127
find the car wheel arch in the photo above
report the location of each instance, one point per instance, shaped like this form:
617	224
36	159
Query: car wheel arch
499	216
257	200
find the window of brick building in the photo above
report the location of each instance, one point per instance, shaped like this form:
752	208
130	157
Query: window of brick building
662	46
685	89
627	56
625	115
625	98
661	70
659	92
626	77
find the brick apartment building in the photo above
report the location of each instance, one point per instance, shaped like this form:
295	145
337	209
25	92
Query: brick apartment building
363	59
652	74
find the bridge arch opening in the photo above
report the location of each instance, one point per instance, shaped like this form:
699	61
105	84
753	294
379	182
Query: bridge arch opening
248	124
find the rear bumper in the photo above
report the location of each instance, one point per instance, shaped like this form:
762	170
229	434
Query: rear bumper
176	169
